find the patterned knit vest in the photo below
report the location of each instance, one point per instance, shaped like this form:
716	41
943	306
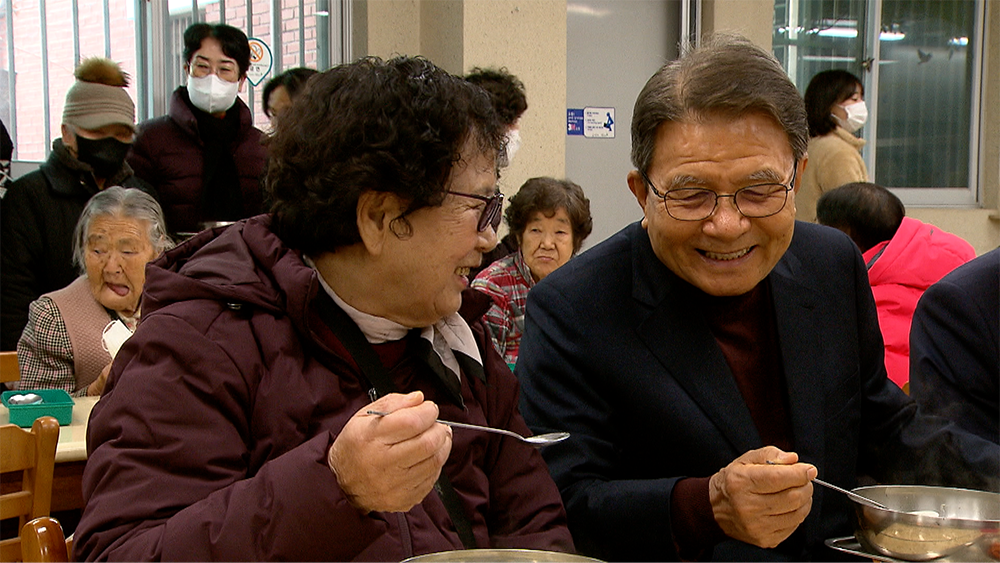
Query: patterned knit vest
85	320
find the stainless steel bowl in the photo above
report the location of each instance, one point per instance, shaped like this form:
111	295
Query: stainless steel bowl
925	523
499	555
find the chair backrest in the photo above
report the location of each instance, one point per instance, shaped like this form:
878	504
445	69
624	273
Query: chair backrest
34	454
43	540
8	367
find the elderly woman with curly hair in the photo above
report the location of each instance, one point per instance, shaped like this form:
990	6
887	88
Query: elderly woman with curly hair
550	219
279	401
119	231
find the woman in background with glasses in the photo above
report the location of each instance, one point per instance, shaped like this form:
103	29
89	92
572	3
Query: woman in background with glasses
550	219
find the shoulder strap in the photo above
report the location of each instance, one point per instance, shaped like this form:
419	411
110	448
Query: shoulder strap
361	350
357	345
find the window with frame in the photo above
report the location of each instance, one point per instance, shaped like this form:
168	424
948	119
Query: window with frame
145	38
921	63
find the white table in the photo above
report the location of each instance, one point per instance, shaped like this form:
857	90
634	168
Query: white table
73	437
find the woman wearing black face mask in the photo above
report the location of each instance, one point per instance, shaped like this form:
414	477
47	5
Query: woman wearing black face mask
104	150
41	209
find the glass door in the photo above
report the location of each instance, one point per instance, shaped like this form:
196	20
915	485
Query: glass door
928	81
921	65
816	35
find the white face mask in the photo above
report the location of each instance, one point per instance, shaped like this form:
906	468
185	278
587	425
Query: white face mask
212	94
513	143
857	115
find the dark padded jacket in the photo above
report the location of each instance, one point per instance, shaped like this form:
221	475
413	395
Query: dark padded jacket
210	441
169	154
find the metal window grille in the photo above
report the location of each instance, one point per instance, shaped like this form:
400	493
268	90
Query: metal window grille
42	41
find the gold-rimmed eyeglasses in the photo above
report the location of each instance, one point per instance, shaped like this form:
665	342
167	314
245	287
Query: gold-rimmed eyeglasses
697	204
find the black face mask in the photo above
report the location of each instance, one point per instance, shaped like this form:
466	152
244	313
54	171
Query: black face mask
105	156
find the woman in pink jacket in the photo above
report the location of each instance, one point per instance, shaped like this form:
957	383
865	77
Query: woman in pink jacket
904	258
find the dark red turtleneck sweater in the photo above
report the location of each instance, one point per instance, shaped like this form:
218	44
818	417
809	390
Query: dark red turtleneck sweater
744	326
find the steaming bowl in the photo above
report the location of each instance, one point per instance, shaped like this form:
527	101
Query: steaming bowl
925	522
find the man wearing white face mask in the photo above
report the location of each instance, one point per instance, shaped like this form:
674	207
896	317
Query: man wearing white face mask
205	157
835	107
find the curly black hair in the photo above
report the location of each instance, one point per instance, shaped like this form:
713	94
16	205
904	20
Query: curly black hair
548	195
825	89
396	126
293	80
507	91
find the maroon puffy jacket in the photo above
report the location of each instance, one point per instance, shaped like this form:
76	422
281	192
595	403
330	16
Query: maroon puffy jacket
210	441
169	154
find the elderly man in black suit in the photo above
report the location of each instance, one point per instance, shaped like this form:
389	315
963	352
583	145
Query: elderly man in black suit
712	359
955	347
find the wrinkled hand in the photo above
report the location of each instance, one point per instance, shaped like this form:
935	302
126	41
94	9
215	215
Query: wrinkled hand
762	504
390	463
97	386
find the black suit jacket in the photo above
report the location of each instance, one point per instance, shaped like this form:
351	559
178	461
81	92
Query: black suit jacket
955	347
617	353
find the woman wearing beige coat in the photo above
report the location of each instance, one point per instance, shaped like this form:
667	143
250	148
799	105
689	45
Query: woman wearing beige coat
835	108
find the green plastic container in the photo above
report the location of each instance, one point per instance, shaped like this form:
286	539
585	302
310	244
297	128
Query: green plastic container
55	403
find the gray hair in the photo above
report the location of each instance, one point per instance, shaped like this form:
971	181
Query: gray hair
728	76
124	202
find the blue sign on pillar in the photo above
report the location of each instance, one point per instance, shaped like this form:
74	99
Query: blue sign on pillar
591	122
574	122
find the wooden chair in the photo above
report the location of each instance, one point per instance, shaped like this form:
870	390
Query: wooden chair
34	453
43	540
8	367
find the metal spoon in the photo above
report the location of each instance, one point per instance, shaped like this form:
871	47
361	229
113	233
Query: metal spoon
538	441
855	496
851	494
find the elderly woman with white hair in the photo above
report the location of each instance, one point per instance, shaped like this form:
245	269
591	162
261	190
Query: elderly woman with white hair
119	231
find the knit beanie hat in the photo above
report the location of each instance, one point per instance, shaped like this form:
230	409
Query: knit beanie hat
98	97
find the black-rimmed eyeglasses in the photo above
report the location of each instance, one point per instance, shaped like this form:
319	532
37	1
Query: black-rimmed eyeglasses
491	212
697	204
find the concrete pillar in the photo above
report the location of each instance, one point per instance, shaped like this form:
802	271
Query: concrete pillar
753	19
385	28
442	33
528	37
